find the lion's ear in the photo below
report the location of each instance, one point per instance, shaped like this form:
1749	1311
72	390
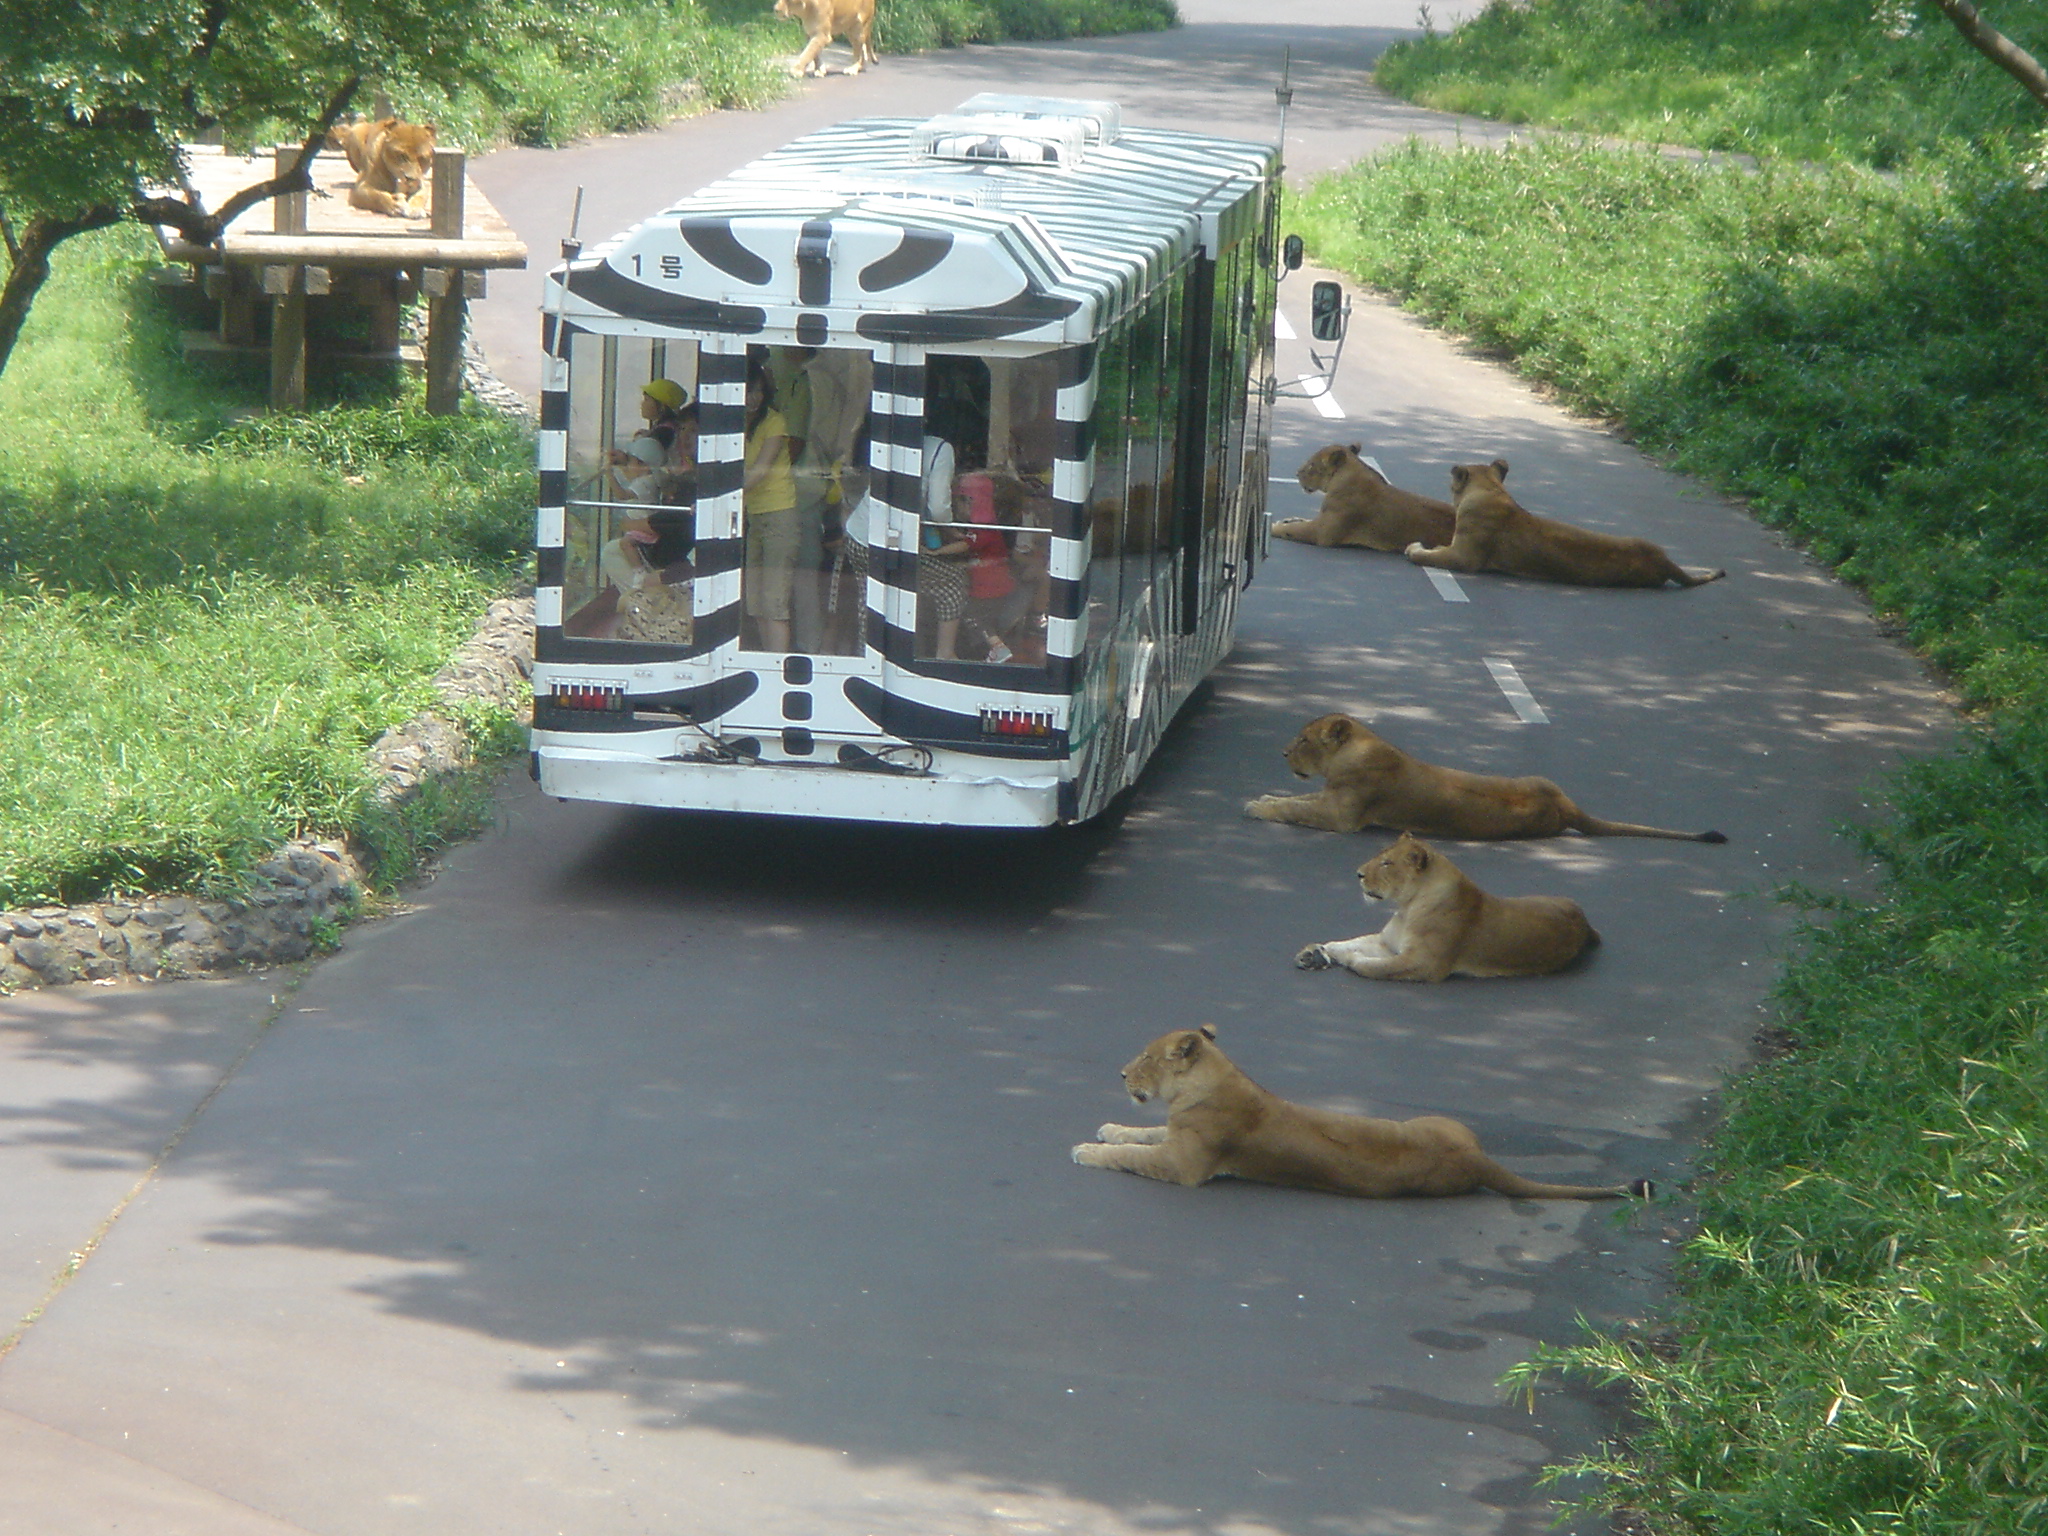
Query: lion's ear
1340	729
1500	467
1357	449
1459	476
1186	1047
1208	1031
1418	853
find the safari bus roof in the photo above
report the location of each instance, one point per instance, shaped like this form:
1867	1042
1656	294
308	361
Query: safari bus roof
1025	219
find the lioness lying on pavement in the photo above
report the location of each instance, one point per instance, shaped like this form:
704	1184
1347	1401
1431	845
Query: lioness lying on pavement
1444	925
1362	508
1370	782
1495	533
1222	1125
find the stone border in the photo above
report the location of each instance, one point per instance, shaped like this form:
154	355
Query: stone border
308	883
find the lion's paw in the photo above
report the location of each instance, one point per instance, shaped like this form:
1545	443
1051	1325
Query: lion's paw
1313	957
1256	809
1081	1151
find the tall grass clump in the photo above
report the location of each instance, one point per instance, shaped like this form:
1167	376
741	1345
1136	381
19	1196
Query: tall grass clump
1860	1341
206	617
1878	82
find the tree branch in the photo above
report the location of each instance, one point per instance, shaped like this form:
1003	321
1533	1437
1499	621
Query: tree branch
190	218
1998	48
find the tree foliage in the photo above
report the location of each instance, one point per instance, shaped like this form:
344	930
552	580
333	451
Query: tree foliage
96	102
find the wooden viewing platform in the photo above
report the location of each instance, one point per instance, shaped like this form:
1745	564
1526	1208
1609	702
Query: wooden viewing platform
280	253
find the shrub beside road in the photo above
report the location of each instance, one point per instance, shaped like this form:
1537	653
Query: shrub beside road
1858	1345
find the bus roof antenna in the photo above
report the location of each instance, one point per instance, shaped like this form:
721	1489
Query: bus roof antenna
572	247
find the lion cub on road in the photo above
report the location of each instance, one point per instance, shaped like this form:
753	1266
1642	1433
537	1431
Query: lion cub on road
1362	508
1496	533
1444	925
1222	1125
1370	782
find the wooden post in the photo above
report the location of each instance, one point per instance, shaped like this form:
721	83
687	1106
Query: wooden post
287	285
287	288
288	213
447	302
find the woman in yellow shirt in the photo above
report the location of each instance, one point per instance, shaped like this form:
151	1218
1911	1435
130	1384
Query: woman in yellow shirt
769	502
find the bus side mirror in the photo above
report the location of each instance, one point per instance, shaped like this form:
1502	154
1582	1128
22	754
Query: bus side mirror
1290	253
1326	312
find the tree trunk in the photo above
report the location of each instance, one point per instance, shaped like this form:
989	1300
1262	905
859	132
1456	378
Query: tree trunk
30	253
1998	48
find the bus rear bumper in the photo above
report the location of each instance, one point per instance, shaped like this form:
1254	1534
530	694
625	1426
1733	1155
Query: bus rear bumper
995	799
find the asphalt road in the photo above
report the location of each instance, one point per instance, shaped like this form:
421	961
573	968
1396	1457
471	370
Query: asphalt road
666	1174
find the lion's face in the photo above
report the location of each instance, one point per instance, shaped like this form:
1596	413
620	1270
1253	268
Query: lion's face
1395	870
406	153
1486	479
1155	1071
1309	753
1321	468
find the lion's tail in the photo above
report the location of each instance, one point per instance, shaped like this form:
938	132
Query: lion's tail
1513	1185
1593	826
1687	578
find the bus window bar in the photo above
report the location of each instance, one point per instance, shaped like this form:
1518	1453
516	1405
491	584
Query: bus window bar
1015	722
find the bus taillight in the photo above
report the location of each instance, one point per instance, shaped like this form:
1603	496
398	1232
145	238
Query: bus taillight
582	696
1015	722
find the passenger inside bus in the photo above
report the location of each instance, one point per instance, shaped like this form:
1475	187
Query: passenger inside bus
825	393
983	576
630	521
769	504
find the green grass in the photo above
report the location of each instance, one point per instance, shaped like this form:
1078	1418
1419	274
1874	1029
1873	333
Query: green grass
1860	1342
1862	80
204	621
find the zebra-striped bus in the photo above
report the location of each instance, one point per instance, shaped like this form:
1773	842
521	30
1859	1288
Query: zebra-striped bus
910	473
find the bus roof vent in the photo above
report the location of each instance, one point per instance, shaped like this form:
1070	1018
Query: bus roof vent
997	137
1101	121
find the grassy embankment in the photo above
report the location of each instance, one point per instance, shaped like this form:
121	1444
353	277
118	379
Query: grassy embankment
205	620
1862	1326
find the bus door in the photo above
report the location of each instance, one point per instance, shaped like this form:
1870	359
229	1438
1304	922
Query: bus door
804	513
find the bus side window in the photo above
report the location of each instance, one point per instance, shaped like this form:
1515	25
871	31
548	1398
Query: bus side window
1110	427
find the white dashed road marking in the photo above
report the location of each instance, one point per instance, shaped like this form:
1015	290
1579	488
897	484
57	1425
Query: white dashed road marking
1319	395
1281	329
1448	589
1518	695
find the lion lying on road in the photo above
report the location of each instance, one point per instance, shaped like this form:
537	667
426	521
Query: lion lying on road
1222	1125
392	160
1496	533
1362	508
1370	782
1444	925
853	20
